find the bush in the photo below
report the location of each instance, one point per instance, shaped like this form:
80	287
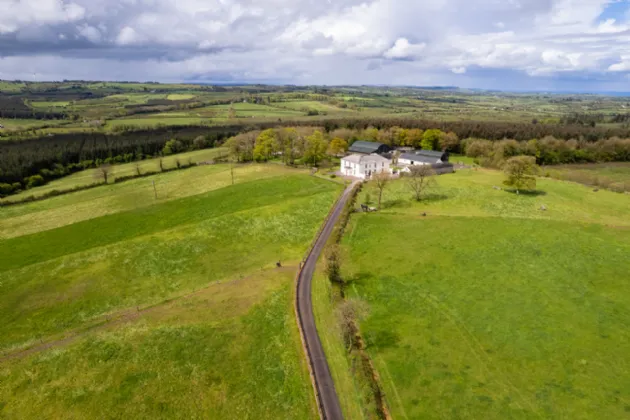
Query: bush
200	143
172	146
333	176
34	181
5	189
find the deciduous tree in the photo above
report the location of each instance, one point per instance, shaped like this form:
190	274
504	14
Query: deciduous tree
431	139
315	148
337	146
420	179
449	141
381	180
520	171
104	172
266	145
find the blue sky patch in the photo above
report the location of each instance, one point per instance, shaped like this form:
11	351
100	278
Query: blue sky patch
616	9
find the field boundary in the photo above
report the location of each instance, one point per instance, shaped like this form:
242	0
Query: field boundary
323	385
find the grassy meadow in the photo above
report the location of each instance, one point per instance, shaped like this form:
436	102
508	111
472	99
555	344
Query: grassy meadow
90	176
491	308
228	351
145	307
611	175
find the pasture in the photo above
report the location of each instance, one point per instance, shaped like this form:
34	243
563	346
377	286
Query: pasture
611	175
150	306
228	351
489	307
92	175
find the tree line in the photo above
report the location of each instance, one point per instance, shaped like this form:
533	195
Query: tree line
308	144
57	156
548	150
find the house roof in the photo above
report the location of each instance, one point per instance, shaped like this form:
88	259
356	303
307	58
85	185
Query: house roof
419	158
430	153
365	146
364	158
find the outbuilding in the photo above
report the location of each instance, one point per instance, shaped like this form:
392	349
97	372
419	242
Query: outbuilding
423	157
368	147
364	166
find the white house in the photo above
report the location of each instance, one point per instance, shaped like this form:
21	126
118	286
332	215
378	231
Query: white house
423	157
364	166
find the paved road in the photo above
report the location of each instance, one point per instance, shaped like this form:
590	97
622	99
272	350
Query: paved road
326	393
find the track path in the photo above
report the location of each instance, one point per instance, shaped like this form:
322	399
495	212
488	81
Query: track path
324	386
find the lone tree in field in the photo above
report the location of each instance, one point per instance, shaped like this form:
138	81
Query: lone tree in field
420	179
104	171
381	180
519	171
333	263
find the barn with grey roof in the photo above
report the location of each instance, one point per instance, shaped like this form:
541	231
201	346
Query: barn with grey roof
368	147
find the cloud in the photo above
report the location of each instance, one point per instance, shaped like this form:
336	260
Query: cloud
307	41
403	49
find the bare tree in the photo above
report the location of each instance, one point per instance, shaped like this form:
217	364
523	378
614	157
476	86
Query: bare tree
161	164
104	171
420	179
381	180
138	171
349	313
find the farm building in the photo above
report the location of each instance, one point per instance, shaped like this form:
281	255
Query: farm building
364	166
423	157
368	147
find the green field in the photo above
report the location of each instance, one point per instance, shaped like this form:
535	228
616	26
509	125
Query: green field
229	351
611	175
108	293
90	176
489	307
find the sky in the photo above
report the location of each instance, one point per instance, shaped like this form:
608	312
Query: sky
563	45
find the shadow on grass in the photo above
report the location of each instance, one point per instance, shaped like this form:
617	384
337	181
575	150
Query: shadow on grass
382	339
534	193
401	203
357	278
430	198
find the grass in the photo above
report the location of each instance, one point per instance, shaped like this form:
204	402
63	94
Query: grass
135	194
163	250
470	193
230	351
490	308
161	309
90	176
614	176
348	386
505	318
179	96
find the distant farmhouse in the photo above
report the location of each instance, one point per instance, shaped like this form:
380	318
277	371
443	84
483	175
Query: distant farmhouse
364	166
368	158
368	148
423	157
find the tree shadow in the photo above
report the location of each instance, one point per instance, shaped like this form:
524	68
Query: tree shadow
356	278
430	198
534	193
382	339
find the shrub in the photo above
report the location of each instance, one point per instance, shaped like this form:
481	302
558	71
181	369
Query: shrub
200	143
34	181
172	146
5	189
